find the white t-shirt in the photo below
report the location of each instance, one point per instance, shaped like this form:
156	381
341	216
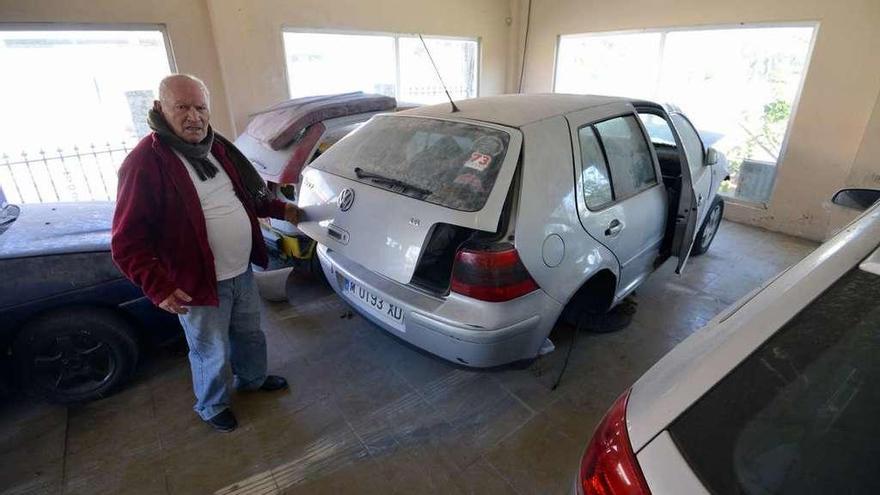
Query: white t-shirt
229	228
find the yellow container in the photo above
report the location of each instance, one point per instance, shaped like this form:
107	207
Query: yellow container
296	247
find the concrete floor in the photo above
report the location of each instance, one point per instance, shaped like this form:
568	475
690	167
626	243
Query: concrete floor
369	414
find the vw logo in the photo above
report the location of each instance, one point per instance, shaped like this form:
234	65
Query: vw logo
346	199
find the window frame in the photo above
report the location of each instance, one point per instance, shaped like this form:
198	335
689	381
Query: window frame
604	162
664	114
396	38
696	132
86	26
651	151
100	157
664	31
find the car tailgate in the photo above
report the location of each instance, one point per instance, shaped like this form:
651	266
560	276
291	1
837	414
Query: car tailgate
384	230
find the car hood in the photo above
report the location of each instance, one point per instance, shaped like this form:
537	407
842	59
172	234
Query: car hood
58	228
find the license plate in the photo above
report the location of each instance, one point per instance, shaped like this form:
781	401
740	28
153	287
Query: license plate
385	310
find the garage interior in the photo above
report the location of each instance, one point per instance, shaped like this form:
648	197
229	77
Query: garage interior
368	413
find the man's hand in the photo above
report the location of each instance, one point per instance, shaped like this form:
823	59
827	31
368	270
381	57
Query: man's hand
174	303
292	213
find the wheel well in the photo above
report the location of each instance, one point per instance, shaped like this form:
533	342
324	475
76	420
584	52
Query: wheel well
595	296
127	318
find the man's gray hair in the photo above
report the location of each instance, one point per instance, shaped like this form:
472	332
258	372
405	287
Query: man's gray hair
166	83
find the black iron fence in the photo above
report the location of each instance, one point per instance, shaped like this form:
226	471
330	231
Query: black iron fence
80	173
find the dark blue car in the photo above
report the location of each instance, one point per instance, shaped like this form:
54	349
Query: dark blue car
71	325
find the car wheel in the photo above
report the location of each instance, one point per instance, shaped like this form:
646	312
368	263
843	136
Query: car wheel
617	318
75	355
710	228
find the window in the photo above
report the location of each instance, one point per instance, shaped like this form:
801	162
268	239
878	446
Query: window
74	102
799	415
594	172
446	163
693	147
319	63
632	168
392	65
658	129
737	85
621	65
456	60
619	145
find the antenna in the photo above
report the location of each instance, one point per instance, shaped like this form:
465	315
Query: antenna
454	108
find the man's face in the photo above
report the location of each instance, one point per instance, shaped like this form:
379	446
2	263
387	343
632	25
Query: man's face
186	110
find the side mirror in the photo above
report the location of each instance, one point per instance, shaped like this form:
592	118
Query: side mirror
711	156
857	199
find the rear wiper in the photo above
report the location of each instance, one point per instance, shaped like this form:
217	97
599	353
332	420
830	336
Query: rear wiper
362	174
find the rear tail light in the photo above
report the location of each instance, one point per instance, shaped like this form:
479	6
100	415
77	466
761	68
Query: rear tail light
493	275
609	466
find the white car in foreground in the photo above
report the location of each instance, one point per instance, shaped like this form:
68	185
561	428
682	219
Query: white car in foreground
778	394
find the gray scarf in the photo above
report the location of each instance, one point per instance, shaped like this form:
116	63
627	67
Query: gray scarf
197	155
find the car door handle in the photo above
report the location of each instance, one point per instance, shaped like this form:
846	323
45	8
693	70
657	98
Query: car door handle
614	228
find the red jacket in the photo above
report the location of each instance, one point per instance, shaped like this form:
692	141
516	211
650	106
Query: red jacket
159	237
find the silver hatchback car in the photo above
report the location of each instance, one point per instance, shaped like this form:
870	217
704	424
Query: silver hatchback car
469	233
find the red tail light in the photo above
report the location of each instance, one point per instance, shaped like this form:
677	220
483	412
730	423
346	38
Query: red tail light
493	275
609	466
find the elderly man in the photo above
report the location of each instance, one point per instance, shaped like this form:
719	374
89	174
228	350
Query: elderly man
185	230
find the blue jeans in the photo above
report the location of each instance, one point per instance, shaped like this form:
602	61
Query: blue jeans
228	334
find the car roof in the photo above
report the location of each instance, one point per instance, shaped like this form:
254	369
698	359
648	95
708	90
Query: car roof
517	110
693	367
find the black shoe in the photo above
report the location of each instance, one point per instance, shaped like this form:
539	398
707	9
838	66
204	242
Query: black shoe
224	421
273	383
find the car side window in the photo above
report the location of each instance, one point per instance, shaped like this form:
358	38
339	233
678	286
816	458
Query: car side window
693	146
658	129
595	182
629	159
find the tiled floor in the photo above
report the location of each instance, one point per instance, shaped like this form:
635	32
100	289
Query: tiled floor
368	414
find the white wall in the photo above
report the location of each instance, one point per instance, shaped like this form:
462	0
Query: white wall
251	50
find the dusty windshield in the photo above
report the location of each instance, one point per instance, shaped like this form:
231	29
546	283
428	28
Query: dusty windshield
451	164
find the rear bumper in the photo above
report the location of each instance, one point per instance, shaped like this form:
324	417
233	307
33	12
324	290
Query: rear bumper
457	328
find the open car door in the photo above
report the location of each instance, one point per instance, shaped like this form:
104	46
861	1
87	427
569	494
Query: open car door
687	213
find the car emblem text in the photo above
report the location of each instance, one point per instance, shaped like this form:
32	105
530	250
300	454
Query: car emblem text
346	199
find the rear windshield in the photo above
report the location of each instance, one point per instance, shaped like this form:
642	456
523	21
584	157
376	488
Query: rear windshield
801	414
451	164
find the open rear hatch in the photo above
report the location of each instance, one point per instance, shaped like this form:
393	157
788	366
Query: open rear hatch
378	194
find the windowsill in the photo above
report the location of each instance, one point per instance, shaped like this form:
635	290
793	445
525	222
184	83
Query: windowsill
745	203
